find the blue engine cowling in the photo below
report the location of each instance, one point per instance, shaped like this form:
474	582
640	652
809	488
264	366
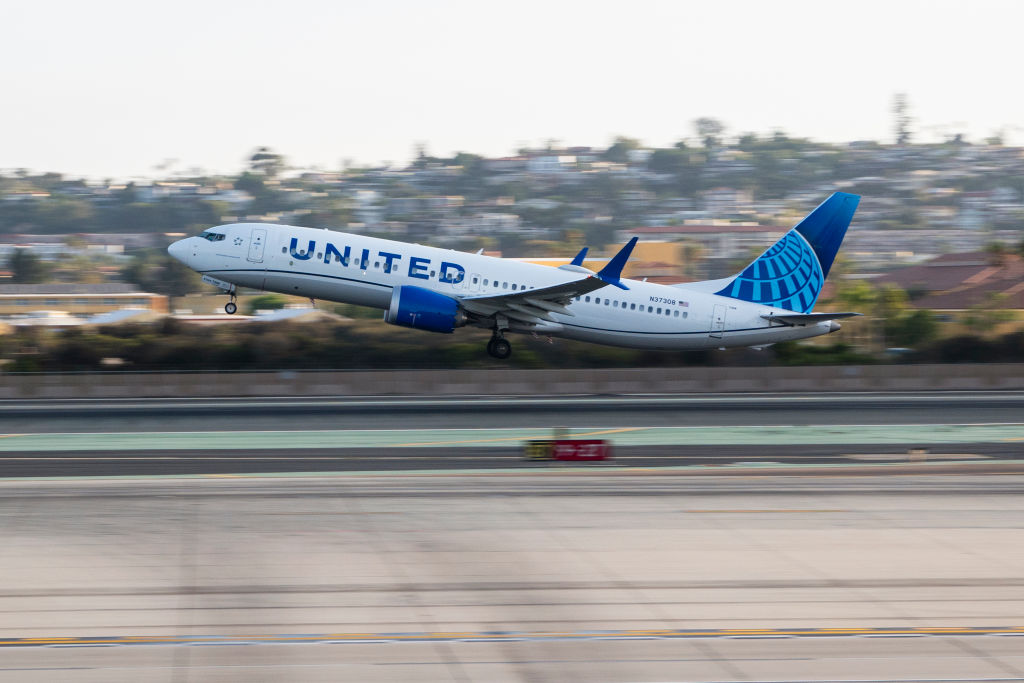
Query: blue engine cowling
424	309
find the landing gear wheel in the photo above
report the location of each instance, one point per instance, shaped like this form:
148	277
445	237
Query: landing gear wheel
499	348
230	308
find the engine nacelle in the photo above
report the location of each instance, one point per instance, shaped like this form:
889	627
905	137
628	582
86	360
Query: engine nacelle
424	309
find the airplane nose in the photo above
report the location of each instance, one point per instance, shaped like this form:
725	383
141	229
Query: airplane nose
179	250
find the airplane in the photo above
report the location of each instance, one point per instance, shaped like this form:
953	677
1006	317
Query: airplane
439	290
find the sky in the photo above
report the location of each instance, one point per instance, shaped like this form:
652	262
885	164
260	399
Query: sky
114	89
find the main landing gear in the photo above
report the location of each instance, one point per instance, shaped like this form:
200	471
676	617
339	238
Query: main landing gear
499	347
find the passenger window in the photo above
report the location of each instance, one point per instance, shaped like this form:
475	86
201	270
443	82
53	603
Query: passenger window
650	309
319	256
675	314
475	280
284	250
659	310
504	285
607	301
376	264
433	273
588	299
686	313
485	282
513	287
632	307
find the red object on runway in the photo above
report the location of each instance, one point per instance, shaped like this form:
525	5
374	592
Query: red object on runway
580	449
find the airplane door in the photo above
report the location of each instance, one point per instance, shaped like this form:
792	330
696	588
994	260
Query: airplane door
718	322
256	244
474	282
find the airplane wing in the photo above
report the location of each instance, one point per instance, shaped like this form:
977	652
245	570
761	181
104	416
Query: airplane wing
536	305
793	319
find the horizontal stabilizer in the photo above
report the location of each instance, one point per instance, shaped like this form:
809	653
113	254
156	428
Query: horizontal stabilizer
806	318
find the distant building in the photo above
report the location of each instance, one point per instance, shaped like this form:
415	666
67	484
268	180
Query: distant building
551	164
957	282
53	319
719	240
726	201
77	299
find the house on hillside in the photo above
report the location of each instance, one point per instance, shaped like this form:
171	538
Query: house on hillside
962	282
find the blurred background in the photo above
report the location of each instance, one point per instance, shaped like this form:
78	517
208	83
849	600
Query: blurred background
705	129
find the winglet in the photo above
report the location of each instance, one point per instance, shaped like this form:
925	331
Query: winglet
613	270
578	261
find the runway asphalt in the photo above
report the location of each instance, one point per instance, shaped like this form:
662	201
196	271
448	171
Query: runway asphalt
99	437
189	414
171	462
852	537
539	576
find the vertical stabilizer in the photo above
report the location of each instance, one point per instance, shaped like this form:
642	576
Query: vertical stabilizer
791	273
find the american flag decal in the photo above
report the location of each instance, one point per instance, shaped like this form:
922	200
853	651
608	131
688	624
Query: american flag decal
685	304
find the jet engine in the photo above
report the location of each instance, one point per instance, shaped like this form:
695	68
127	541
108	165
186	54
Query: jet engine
424	309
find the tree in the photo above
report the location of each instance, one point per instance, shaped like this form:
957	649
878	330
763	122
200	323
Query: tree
26	267
266	302
709	131
668	160
251	183
912	329
620	149
266	162
155	271
997	139
901	118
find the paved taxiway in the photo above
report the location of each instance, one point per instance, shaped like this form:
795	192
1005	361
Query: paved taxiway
104	437
191	415
588	575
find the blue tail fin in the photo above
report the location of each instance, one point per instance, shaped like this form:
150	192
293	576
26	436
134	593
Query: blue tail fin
791	273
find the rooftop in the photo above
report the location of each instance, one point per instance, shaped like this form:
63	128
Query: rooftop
107	288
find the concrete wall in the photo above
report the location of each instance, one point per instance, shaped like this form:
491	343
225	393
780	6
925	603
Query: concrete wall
526	382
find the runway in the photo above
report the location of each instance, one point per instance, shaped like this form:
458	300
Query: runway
871	537
199	436
198	415
511	576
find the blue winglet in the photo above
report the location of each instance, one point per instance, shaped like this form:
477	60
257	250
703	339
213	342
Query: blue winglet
578	261
611	273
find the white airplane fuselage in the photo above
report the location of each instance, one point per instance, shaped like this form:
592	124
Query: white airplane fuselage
355	269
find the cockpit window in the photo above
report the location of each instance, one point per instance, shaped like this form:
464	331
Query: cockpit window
212	236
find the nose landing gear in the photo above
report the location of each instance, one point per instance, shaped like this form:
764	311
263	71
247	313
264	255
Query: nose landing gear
230	307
